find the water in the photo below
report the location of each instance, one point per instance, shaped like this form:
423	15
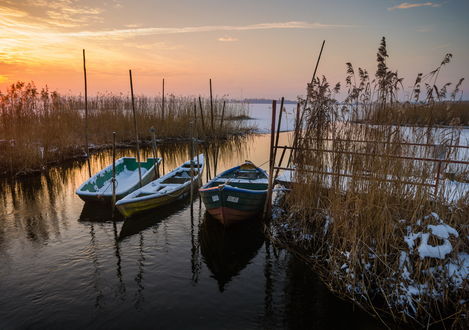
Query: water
65	264
261	115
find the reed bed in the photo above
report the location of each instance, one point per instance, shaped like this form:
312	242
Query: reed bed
370	221
40	127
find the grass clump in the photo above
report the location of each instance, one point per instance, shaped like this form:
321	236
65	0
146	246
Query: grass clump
367	216
40	127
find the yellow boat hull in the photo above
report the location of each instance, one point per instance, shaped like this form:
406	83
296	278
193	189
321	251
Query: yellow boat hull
131	208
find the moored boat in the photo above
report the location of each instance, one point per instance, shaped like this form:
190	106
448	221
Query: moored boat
99	186
236	194
170	187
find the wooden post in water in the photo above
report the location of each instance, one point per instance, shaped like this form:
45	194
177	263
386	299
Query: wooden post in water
135	128
191	156
86	116
153	144
280	161
113	172
217	152
162	103
268	201
296	133
202	116
278	128
211	107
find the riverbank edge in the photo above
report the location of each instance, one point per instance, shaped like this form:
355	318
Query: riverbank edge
79	153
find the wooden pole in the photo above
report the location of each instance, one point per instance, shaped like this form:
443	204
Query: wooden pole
296	133
202	115
162	103
211	107
222	116
317	62
135	128
195	117
113	172
86	115
192	163
153	144
280	161
217	150
278	128
268	201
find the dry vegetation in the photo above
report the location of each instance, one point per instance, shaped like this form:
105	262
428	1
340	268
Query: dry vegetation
378	233
39	127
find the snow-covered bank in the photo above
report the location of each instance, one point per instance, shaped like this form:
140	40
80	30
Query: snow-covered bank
419	275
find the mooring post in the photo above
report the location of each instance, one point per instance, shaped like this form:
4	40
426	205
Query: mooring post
211	107
162	103
113	172
295	134
268	201
86	116
278	129
202	116
191	156
153	144
280	161
135	128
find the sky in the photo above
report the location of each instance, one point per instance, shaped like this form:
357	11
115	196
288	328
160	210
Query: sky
249	48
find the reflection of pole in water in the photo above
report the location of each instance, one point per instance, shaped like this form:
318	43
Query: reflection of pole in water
119	261
195	253
139	277
99	293
268	309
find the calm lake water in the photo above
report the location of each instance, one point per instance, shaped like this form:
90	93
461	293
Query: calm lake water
68	265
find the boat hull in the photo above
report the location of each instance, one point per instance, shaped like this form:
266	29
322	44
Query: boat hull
169	188
230	205
91	190
130	209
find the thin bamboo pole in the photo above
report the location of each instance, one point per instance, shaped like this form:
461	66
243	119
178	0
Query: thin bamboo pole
296	133
211	107
153	144
278	128
135	128
162	102
113	173
268	201
192	163
217	151
281	160
202	116
86	115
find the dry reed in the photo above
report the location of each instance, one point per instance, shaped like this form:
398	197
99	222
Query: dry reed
39	127
363	216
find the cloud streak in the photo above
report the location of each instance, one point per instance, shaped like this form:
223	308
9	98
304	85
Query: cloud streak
125	33
227	39
407	5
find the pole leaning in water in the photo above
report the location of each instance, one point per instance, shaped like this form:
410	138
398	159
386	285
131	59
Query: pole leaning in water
135	128
113	172
153	145
268	201
86	116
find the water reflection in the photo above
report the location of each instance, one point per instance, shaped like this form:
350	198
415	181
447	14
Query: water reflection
141	222
227	251
66	264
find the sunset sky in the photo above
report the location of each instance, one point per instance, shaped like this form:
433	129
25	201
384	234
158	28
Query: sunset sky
250	48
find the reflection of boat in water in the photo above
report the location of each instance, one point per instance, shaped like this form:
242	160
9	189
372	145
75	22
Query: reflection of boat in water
95	212
140	222
227	252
